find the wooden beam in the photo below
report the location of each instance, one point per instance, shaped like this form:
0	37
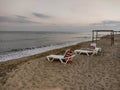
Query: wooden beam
97	31
102	30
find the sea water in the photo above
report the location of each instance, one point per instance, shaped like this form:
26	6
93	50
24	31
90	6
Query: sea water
17	44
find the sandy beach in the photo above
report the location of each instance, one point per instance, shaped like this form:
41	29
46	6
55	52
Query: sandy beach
98	72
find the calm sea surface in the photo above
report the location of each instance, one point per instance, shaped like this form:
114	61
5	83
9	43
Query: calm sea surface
16	44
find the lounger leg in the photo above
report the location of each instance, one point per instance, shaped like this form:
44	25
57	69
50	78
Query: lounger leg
52	59
95	52
87	54
48	58
62	61
77	52
80	53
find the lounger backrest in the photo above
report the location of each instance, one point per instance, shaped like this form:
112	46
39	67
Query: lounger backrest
68	53
93	44
91	47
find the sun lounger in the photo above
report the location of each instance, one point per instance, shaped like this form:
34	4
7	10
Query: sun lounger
92	49
63	58
97	48
85	51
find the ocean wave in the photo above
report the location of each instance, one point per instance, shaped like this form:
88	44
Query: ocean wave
18	40
18	53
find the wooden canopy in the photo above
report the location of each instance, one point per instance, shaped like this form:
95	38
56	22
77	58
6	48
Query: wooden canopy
116	32
95	35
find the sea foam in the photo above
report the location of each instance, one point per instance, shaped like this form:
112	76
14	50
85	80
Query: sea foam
25	53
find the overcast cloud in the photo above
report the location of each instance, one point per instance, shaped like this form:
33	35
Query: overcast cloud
39	15
59	12
15	19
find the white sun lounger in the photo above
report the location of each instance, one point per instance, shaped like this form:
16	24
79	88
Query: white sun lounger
89	51
63	59
97	48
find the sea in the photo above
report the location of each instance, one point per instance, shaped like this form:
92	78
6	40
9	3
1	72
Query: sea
17	44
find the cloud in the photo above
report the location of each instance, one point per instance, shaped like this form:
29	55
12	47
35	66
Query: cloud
39	15
107	22
110	22
22	17
15	19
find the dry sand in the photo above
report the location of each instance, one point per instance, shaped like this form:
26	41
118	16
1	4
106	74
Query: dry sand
98	72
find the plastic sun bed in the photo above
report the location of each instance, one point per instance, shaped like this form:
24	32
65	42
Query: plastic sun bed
68	56
86	51
97	48
89	51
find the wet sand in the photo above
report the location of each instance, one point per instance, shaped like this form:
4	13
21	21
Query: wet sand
98	72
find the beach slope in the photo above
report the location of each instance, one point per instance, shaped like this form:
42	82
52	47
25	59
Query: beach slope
98	72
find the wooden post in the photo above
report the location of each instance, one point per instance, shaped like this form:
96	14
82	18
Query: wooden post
112	38
93	36
96	36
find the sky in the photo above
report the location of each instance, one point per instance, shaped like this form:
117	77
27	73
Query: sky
72	15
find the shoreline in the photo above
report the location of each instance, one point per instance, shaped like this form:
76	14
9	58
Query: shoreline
52	51
27	53
12	67
8	66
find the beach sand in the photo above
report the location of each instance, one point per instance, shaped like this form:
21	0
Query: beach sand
98	72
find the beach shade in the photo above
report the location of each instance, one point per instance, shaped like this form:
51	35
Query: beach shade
95	36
